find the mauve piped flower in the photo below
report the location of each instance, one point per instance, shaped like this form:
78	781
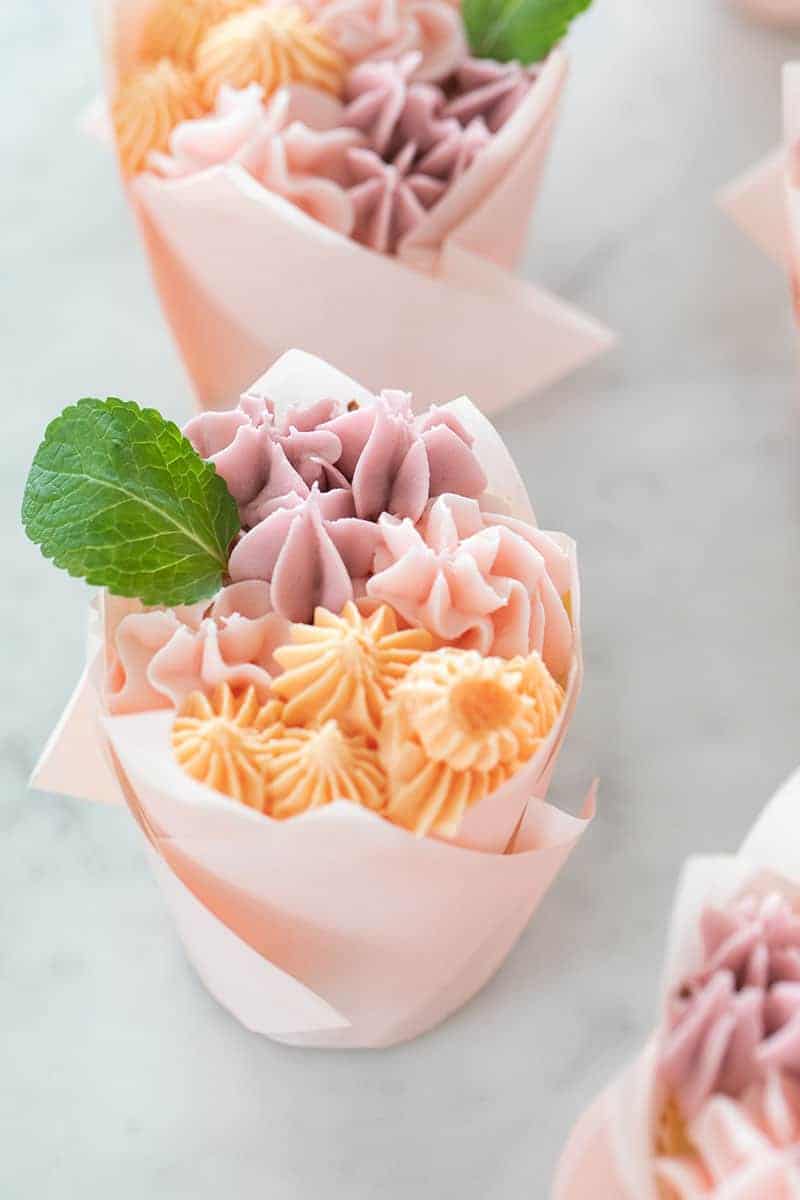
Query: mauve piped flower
739	1016
315	551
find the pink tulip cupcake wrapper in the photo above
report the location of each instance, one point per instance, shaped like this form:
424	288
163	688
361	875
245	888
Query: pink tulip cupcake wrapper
784	14
610	1151
243	274
765	201
335	928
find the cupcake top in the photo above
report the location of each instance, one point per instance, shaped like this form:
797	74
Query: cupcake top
325	621
729	1056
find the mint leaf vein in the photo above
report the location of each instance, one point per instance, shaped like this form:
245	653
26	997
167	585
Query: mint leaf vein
116	495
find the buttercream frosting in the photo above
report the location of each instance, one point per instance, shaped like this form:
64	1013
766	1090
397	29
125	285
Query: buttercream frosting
389	29
456	727
396	461
491	91
313	553
160	657
392	460
746	1149
739	1015
425	794
389	198
174	28
477	580
147	107
222	741
476	713
345	667
272	45
309	768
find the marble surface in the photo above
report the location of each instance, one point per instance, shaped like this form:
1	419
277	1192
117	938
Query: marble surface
674	462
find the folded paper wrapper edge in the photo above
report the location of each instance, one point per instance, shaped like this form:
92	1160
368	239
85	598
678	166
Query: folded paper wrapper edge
228	320
757	200
79	761
448	324
607	1152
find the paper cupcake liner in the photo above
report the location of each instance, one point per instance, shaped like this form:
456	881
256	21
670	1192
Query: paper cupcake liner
335	928
609	1152
243	275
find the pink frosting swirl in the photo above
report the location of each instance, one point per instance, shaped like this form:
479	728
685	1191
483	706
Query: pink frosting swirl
303	165
314	552
489	90
265	461
477	580
389	199
159	657
394	114
418	141
744	1150
739	1016
396	461
392	460
389	29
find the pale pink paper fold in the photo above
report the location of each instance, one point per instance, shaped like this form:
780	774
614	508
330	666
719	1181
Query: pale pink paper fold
335	928
765	201
612	1142
782	13
243	275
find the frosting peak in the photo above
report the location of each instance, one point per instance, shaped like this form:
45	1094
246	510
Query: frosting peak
388	29
476	713
175	28
389	459
271	45
309	768
488	90
345	667
747	1149
477	580
222	741
314	552
147	107
458	726
739	1016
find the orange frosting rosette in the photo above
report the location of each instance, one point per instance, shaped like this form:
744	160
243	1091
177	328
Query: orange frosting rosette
175	28
457	727
271	45
147	107
223	741
369	713
345	667
309	768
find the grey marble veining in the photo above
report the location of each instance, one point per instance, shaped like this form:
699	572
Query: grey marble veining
674	462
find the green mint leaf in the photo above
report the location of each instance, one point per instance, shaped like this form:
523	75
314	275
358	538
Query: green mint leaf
117	496
525	30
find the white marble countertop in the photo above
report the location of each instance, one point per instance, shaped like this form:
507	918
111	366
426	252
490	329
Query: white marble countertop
674	463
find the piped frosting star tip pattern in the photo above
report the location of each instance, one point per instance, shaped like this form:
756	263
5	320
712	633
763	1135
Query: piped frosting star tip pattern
223	742
147	107
175	28
345	667
457	727
310	768
270	45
